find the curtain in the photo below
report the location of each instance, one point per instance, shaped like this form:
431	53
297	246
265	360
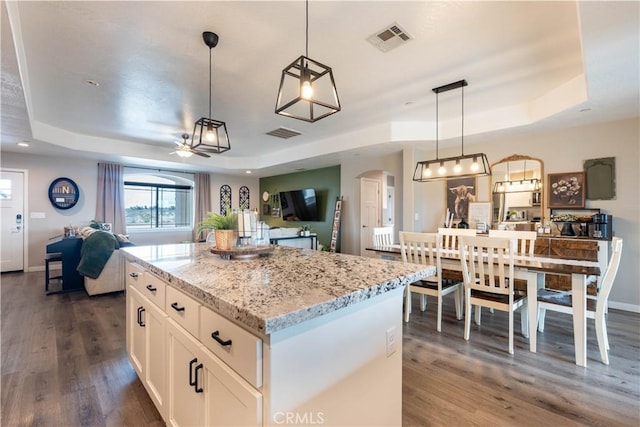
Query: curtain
110	202
203	201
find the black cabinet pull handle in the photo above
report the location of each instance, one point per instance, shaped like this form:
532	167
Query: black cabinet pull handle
134	275
191	380
198	389
140	321
176	308
216	336
151	288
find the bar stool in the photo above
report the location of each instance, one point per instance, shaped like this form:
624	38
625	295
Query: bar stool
49	258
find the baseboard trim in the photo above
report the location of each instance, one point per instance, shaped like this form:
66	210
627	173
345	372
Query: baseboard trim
624	307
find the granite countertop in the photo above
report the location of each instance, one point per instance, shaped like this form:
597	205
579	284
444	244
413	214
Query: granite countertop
267	294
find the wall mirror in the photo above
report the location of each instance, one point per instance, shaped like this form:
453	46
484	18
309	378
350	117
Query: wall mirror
517	191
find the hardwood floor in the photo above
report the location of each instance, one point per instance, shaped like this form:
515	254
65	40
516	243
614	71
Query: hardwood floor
449	381
64	363
64	360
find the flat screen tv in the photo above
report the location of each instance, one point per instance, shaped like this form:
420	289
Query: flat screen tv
299	205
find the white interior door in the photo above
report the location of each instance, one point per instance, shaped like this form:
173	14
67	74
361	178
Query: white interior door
369	211
12	221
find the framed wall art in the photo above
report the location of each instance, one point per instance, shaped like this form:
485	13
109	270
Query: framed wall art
460	192
566	190
601	176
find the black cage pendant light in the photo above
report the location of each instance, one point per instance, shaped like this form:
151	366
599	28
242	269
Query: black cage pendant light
210	135
462	166
307	89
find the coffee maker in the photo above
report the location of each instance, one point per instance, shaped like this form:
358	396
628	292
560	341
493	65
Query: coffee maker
601	227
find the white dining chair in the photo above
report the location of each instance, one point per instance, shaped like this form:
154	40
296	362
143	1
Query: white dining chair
449	243
450	236
488	273
382	236
526	239
424	248
526	242
549	299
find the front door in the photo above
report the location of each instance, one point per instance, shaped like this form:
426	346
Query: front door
369	212
12	221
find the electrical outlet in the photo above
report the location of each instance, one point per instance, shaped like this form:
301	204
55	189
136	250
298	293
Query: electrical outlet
392	341
417	216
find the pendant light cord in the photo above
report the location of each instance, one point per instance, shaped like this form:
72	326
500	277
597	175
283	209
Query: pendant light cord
209	82
437	125
462	130
307	30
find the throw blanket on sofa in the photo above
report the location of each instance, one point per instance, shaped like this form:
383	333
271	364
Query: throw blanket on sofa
96	251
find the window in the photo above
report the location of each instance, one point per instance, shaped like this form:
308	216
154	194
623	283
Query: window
157	201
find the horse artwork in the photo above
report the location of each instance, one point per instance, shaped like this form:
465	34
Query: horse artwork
460	192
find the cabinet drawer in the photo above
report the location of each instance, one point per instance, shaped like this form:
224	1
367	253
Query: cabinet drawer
576	249
239	349
134	273
153	288
183	309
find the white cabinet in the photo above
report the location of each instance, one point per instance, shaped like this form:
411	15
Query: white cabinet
229	401
136	332
186	400
518	200
187	382
146	340
156	367
205	391
218	373
239	349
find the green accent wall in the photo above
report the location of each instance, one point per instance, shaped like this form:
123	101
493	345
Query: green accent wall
325	181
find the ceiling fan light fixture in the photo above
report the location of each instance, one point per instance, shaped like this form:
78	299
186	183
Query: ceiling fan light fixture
210	135
307	88
185	154
462	166
185	150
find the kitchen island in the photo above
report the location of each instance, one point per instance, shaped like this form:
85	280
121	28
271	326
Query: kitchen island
298	337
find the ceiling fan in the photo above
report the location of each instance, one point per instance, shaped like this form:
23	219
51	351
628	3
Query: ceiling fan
184	149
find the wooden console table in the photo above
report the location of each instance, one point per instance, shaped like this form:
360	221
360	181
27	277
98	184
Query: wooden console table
292	240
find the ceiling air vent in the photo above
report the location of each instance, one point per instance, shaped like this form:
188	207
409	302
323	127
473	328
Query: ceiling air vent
389	37
284	133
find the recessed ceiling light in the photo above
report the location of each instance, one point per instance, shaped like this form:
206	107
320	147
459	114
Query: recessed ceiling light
247	171
92	82
23	144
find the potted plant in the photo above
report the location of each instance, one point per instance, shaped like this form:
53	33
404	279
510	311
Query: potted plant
305	230
223	226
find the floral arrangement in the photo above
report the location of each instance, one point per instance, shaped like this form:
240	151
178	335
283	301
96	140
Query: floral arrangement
563	217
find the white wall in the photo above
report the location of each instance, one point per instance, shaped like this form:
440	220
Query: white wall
350	173
564	151
44	169
41	171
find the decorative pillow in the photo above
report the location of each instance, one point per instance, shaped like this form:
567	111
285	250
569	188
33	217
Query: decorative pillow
122	238
87	231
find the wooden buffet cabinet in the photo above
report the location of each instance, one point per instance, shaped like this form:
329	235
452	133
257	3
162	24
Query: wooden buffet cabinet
574	248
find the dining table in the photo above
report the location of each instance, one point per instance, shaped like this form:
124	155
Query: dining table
532	269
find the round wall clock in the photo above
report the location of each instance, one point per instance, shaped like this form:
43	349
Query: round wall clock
63	193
